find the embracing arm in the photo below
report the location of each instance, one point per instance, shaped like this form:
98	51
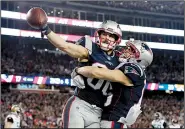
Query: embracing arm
105	74
73	50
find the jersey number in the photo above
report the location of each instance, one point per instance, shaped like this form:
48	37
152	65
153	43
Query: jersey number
99	84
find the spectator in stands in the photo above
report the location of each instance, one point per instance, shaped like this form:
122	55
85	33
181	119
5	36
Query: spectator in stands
168	7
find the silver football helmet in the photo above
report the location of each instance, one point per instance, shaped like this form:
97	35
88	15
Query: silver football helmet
16	109
112	28
137	50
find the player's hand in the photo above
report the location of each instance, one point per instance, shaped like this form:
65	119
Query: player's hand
77	79
74	73
45	30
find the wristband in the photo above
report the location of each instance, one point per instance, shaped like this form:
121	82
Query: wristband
46	30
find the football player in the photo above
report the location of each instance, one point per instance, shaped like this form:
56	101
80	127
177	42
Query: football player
13	120
128	81
83	109
158	121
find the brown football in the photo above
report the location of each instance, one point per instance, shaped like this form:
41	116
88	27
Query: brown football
36	17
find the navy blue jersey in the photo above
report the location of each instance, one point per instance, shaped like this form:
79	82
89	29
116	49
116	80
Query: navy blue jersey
95	91
124	97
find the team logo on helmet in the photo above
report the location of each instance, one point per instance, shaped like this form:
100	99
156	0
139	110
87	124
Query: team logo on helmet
145	47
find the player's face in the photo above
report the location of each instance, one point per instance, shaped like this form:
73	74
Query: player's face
126	52
107	37
129	52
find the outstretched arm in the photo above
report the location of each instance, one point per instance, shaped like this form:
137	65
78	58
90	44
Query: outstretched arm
40	19
73	50
105	74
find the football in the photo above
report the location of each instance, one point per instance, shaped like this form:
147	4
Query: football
36	17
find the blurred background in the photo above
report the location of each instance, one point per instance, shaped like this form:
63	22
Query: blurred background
37	75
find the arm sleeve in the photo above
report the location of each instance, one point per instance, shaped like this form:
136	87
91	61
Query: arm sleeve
86	42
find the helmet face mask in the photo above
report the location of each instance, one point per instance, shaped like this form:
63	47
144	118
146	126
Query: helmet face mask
113	30
106	42
137	50
128	51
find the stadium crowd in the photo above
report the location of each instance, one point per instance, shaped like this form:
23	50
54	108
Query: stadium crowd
170	106
169	7
24	58
40	110
45	110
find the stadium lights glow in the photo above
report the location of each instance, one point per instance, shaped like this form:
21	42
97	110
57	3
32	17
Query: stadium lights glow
94	24
36	34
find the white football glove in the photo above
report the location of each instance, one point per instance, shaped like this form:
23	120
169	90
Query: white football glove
77	80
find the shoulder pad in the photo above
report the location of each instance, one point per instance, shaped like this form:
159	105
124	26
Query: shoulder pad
86	42
131	68
134	72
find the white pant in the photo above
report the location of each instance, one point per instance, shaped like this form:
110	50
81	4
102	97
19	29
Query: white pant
112	124
79	114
